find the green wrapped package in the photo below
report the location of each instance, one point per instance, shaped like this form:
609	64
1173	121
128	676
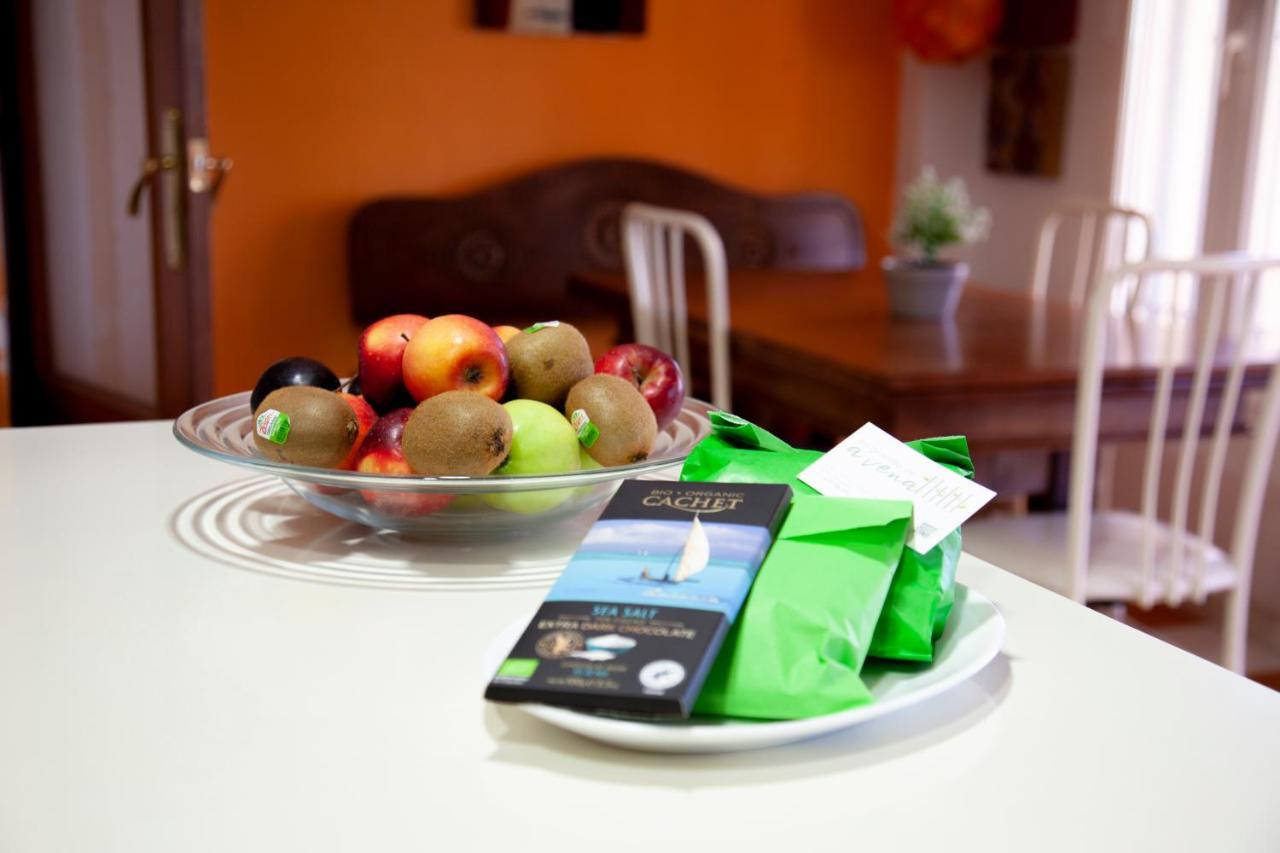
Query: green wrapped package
797	647
738	451
922	592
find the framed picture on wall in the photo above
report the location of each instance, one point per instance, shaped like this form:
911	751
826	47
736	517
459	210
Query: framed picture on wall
1026	111
562	17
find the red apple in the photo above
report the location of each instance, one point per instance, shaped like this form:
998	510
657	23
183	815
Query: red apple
455	353
506	332
381	354
382	453
655	373
365	417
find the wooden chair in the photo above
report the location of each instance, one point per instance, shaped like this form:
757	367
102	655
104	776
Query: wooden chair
653	246
505	254
1136	556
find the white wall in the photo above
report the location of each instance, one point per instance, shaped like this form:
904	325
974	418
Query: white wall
943	124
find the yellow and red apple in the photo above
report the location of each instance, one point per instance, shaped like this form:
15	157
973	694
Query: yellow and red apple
455	352
506	333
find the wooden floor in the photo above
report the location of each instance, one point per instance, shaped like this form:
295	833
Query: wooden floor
1199	630
1270	679
5	416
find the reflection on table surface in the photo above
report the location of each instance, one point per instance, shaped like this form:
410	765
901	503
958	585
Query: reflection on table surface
259	524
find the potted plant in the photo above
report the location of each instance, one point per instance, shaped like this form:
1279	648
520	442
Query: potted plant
934	215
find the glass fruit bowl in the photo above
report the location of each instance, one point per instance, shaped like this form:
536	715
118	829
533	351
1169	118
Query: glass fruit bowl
465	507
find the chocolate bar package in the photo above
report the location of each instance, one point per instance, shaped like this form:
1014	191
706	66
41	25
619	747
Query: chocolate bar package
637	617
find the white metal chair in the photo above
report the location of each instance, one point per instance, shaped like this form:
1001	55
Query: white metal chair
653	249
1126	556
1094	251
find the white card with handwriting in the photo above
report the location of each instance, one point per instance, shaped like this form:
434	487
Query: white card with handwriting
873	464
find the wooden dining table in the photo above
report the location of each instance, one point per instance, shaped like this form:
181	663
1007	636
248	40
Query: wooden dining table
816	355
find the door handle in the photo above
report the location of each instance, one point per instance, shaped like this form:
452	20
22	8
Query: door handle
205	171
151	167
165	168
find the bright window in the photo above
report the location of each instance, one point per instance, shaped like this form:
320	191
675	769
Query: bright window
1263	214
1166	125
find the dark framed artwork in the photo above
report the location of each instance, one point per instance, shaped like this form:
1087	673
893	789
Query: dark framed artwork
1038	23
562	17
1027	111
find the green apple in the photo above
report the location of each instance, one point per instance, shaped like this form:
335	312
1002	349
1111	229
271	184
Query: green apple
542	442
586	463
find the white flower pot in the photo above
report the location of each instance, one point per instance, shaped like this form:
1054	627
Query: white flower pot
920	292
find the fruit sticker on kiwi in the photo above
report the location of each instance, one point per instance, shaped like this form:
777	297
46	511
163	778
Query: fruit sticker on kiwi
538	327
273	425
587	431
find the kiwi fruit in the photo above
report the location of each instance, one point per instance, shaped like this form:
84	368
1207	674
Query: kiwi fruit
457	433
627	427
304	425
547	360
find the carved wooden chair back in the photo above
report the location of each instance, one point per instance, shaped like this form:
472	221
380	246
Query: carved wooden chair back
506	253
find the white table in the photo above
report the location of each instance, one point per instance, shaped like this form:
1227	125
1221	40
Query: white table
166	687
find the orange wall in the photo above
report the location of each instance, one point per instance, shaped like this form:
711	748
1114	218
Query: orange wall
325	105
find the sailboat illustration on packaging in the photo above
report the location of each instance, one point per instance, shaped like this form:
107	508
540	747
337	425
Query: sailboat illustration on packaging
693	558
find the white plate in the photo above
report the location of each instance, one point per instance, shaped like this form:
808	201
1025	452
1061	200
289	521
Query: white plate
974	636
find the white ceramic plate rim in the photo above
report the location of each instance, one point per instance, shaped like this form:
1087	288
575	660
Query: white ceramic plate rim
974	637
